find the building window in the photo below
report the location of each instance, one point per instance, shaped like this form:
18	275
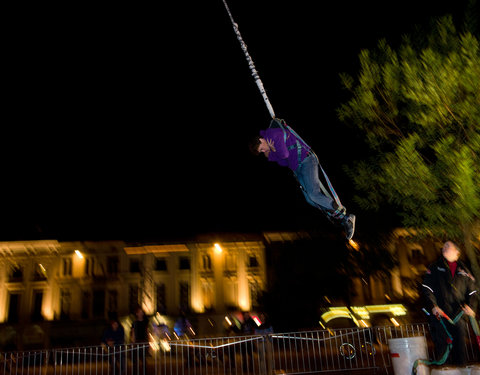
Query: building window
112	265
254	292
208	296
160	264
67	267
65	302
98	303
86	305
230	262
184	291
161	299
37	305
184	263
252	261
112	301
14	307
133	297
134	266
230	293
90	266
207	263
16	275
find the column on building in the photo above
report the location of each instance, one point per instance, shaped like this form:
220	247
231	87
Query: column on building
243	291
196	298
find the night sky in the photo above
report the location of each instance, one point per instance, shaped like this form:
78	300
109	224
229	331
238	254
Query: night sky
132	121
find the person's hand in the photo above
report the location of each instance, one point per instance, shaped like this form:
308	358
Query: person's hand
438	312
271	145
468	311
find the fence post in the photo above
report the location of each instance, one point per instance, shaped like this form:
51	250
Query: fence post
268	354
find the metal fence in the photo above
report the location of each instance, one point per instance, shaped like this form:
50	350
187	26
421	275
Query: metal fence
359	351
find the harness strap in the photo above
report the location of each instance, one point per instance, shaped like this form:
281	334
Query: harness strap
299	143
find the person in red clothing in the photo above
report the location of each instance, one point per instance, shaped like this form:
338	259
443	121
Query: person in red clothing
449	288
283	146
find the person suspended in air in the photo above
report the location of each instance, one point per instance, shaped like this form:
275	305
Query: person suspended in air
281	144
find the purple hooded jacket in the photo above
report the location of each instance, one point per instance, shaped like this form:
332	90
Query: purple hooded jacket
282	155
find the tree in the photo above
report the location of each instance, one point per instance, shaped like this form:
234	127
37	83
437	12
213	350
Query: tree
418	108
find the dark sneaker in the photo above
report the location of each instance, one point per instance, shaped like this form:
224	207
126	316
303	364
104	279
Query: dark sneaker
349	224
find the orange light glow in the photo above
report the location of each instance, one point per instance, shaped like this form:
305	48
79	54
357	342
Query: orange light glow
218	248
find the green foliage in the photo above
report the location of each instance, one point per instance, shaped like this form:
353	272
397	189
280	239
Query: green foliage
419	108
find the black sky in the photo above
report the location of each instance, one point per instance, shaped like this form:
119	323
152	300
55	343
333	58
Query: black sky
132	121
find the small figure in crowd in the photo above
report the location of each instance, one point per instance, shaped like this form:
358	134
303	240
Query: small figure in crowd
112	339
183	327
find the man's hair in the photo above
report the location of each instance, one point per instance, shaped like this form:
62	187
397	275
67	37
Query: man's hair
253	145
449	244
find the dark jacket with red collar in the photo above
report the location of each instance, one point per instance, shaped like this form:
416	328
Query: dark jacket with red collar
449	293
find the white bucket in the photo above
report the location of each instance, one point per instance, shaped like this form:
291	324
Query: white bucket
466	370
405	351
449	371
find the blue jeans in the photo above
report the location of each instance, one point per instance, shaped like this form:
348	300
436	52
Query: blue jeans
307	176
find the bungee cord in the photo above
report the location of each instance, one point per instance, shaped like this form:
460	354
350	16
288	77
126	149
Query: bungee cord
251	65
281	123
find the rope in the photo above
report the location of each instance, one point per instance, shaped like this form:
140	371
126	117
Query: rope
442	360
250	62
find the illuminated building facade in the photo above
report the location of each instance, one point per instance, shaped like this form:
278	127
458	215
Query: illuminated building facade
51	280
412	256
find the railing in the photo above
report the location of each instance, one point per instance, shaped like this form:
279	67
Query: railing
359	351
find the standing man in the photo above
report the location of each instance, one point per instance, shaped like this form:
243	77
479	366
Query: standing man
283	146
139	336
449	288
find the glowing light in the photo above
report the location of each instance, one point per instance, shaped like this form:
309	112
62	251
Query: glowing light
244	304
218	248
395	323
155	347
228	321
257	321
42	267
79	254
353	244
165	345
321	324
47	312
363	311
